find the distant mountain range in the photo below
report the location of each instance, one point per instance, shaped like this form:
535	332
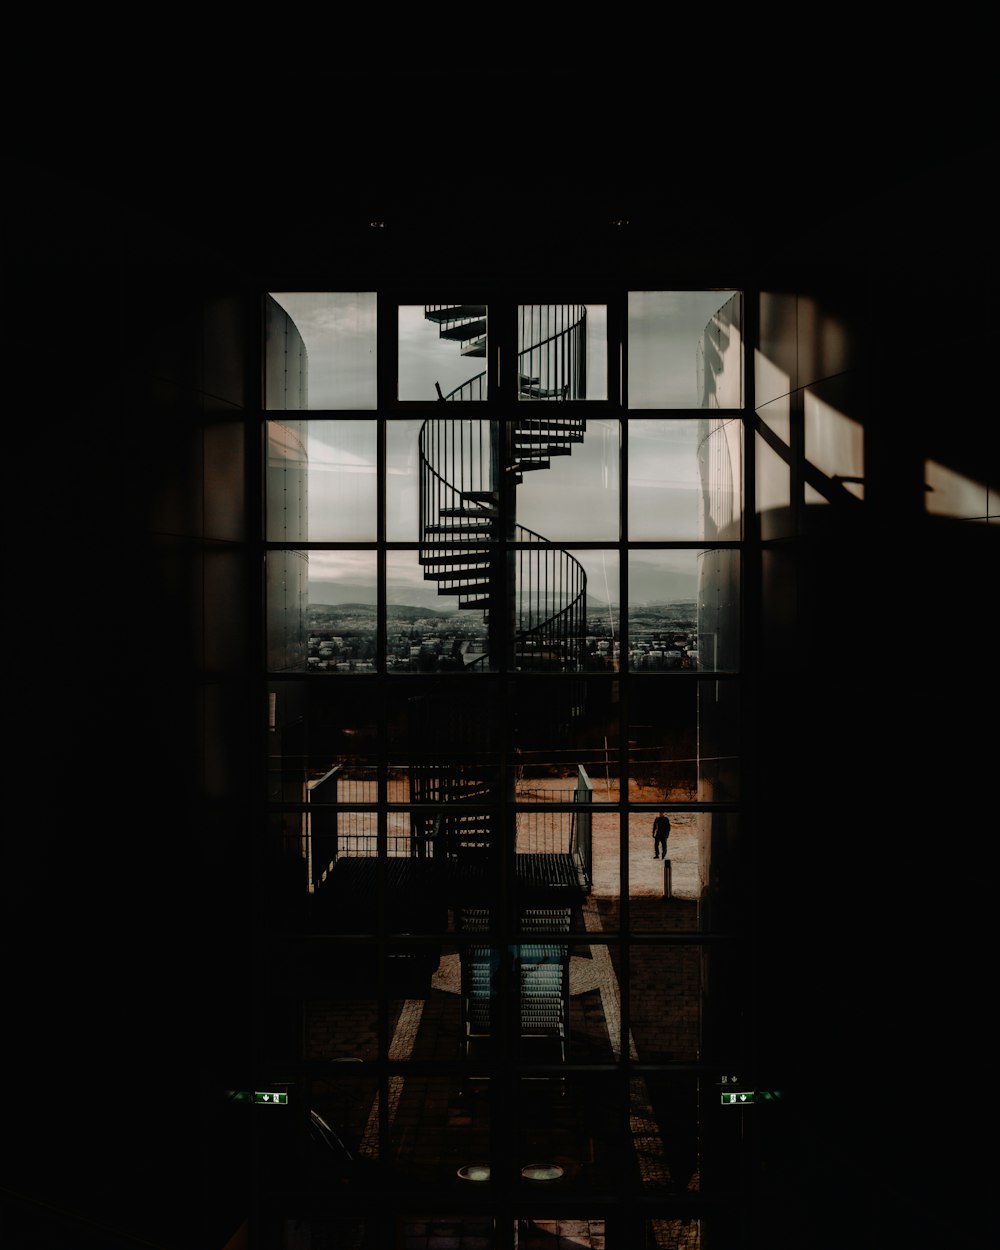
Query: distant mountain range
398	611
414	612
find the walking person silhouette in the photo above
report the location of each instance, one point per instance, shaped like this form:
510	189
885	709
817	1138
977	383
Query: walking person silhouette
661	831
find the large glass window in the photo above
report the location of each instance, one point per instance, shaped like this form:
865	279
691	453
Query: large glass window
504	678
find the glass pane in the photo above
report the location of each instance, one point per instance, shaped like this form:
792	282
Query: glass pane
437	1126
433	1232
318	735
719	610
573	492
663	741
290	1229
403	480
572	1134
721	464
427	629
560	1234
566	614
718	741
663	610
443	752
683	1233
696	883
321	611
563	853
663	874
663	1113
287	610
684	349
287	481
565	741
320	350
288	868
562	351
339	1094
321	483
684	610
342	611
442	352
665	990
665	489
296	1150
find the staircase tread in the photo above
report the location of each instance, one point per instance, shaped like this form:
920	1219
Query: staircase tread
464	331
454	312
465	559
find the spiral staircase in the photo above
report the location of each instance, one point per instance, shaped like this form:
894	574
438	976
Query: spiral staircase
532	595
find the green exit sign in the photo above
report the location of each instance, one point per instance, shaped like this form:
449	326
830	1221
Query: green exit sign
738	1098
263	1096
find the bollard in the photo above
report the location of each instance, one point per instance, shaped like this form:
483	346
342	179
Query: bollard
666	878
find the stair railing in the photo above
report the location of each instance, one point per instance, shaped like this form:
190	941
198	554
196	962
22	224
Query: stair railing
551	607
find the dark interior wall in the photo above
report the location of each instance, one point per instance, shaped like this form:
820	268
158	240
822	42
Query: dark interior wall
127	878
872	757
130	973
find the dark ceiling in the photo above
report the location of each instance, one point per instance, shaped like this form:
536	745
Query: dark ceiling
420	198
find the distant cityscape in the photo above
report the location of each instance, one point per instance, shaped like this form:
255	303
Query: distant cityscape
343	638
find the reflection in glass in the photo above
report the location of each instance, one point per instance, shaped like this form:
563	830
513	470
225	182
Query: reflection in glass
663	610
320	350
442	350
562	351
684	349
576	496
321	483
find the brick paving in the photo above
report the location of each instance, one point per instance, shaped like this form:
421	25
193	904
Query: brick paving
439	1124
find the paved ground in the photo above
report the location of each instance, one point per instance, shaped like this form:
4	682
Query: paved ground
438	1125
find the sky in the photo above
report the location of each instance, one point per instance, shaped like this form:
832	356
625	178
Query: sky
576	499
